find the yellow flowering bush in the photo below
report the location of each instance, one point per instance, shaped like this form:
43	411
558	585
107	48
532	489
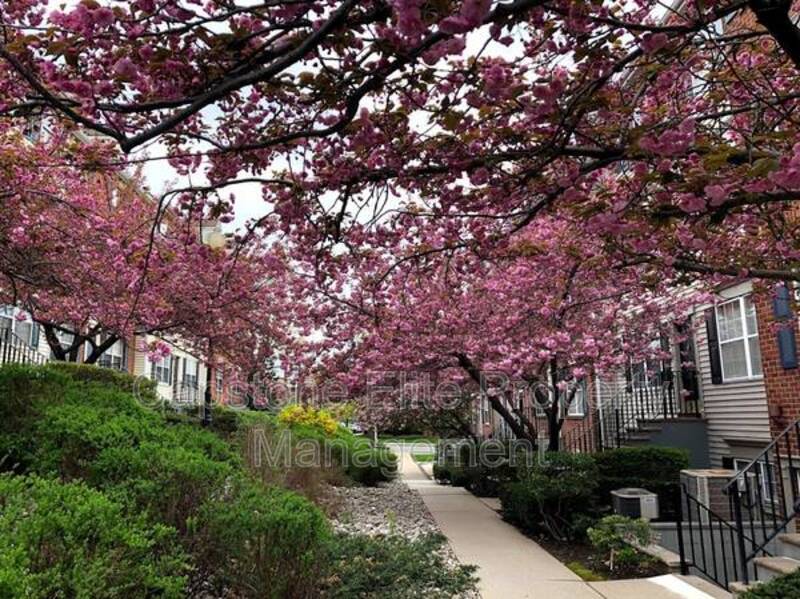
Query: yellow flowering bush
308	416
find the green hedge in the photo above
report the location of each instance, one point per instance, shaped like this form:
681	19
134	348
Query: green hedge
67	540
553	496
172	475
656	469
783	587
483	467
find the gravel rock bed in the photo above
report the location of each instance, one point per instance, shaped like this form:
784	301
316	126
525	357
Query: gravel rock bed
391	508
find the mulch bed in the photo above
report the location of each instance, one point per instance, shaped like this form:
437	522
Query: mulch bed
584	554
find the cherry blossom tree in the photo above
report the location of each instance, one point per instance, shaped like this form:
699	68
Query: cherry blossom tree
670	131
531	320
92	255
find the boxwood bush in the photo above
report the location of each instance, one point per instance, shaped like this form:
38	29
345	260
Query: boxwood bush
67	540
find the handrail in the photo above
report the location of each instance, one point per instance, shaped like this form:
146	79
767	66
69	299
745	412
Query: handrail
759	490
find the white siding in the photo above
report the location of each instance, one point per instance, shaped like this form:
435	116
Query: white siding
735	411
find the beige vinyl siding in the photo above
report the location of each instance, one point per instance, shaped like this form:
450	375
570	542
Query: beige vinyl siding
736	411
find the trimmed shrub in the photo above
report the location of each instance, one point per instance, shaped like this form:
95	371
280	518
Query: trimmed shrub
262	542
614	538
656	469
394	568
551	495
66	540
143	388
783	587
483	467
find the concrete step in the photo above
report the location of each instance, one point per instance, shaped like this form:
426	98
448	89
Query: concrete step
637	439
772	567
738	589
789	544
706	587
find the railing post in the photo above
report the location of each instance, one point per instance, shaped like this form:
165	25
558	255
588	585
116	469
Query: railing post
737	516
618	428
679	530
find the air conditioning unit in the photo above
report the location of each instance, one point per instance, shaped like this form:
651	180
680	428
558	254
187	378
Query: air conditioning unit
635	503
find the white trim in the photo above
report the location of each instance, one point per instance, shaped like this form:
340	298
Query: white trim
744	338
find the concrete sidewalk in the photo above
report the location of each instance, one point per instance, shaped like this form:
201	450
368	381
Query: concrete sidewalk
512	566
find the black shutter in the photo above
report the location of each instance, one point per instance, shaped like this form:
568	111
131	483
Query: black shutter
787	343
713	347
666	365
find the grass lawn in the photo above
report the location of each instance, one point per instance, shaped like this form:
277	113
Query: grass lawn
424	457
585	573
407	439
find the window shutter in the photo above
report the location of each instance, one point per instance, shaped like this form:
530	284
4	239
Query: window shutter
787	342
124	356
666	365
713	347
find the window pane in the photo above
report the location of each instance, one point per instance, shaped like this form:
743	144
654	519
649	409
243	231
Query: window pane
750	315
755	355
729	318
734	360
24	331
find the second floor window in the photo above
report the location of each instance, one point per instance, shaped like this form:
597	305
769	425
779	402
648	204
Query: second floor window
738	339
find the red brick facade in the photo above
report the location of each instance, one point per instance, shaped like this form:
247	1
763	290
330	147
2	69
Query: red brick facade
782	385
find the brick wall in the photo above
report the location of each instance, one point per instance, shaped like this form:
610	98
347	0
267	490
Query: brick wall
782	385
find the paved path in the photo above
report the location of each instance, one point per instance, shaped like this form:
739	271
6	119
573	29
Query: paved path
512	566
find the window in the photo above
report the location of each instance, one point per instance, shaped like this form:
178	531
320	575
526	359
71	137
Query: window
763	480
65	340
577	407
162	370
738	339
219	377
190	379
22	330
114	356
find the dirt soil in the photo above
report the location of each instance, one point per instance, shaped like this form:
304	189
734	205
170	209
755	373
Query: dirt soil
584	554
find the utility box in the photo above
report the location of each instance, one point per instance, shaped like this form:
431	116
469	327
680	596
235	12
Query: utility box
635	503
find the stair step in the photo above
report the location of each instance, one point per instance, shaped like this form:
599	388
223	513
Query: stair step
772	567
740	588
638	438
790	539
709	589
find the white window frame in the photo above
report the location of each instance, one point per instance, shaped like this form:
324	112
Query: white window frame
161	370
219	380
115	352
578	401
745	338
767	479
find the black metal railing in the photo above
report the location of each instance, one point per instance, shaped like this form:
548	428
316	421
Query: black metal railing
709	543
14	350
630	411
764	497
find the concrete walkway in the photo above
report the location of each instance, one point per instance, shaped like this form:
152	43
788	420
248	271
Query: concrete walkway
512	566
